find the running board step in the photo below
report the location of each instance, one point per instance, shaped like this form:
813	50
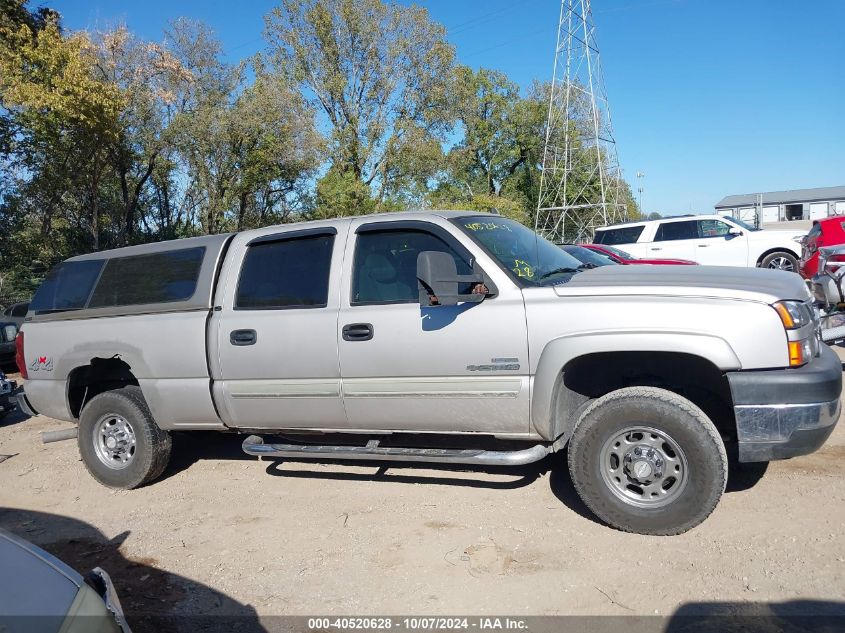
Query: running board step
254	445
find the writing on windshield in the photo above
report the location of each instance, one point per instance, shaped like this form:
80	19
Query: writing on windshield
530	258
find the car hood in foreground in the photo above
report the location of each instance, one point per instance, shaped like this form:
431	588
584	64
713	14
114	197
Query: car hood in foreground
755	284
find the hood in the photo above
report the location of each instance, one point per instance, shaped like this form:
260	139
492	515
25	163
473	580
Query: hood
785	236
729	282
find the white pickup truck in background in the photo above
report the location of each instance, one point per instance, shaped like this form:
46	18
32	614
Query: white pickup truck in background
707	239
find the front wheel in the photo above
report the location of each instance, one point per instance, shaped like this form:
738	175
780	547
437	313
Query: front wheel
647	460
780	261
120	442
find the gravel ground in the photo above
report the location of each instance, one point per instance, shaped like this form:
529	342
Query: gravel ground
225	534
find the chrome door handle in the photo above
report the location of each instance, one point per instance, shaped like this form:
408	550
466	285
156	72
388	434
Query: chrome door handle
656	249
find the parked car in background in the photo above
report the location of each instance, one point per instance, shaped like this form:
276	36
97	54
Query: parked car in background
707	239
621	257
8	331
826	232
41	593
590	258
7	396
15	313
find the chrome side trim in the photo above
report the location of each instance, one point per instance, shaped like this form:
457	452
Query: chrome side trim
284	388
446	387
777	422
254	445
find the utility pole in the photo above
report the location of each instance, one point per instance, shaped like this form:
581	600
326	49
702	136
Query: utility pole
580	180
640	176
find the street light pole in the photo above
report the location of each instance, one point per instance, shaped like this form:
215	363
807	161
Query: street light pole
640	175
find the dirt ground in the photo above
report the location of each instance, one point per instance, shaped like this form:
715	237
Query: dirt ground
225	534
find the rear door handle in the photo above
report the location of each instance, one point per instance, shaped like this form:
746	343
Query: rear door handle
657	249
243	337
703	245
358	332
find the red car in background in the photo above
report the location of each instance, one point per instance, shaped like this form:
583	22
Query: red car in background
825	232
621	257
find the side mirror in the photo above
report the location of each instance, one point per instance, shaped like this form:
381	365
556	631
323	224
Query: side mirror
438	276
9	332
735	230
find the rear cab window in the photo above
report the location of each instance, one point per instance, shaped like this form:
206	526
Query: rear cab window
619	235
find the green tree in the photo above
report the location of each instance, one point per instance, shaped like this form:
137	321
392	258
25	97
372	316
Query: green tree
61	120
380	75
494	166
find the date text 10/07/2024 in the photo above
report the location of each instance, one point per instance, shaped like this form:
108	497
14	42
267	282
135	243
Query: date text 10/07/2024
418	623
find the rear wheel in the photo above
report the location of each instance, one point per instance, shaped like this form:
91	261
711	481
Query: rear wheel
780	261
647	460
119	442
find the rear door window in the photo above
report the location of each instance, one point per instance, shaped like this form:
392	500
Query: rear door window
686	230
288	273
620	235
67	287
164	277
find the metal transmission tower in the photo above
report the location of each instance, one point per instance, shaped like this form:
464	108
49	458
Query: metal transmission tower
580	180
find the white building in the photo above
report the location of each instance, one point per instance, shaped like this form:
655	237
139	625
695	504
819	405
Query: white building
784	206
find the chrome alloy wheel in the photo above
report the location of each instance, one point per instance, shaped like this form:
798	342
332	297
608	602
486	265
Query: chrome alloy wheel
644	467
114	441
781	263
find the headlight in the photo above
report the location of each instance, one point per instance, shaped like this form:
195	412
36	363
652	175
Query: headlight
793	314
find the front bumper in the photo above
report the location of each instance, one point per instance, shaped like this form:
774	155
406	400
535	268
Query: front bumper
782	413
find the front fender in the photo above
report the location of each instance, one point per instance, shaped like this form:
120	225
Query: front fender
560	351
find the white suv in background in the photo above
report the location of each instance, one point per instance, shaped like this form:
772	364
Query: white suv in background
706	239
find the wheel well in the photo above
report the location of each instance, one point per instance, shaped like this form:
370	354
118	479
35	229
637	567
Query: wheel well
103	374
777	250
594	375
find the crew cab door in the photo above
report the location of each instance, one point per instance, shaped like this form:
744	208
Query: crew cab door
273	334
674	240
406	367
716	246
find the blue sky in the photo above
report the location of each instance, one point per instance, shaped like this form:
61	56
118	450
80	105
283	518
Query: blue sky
708	97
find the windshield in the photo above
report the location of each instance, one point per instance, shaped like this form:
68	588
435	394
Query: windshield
619	252
533	260
585	255
742	224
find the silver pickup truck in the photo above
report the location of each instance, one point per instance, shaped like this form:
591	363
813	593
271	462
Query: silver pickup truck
434	337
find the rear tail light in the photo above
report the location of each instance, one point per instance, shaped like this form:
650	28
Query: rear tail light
20	359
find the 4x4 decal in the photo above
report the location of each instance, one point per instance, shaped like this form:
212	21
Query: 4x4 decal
41	363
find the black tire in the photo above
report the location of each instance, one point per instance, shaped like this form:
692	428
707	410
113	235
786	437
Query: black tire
152	445
706	462
784	257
